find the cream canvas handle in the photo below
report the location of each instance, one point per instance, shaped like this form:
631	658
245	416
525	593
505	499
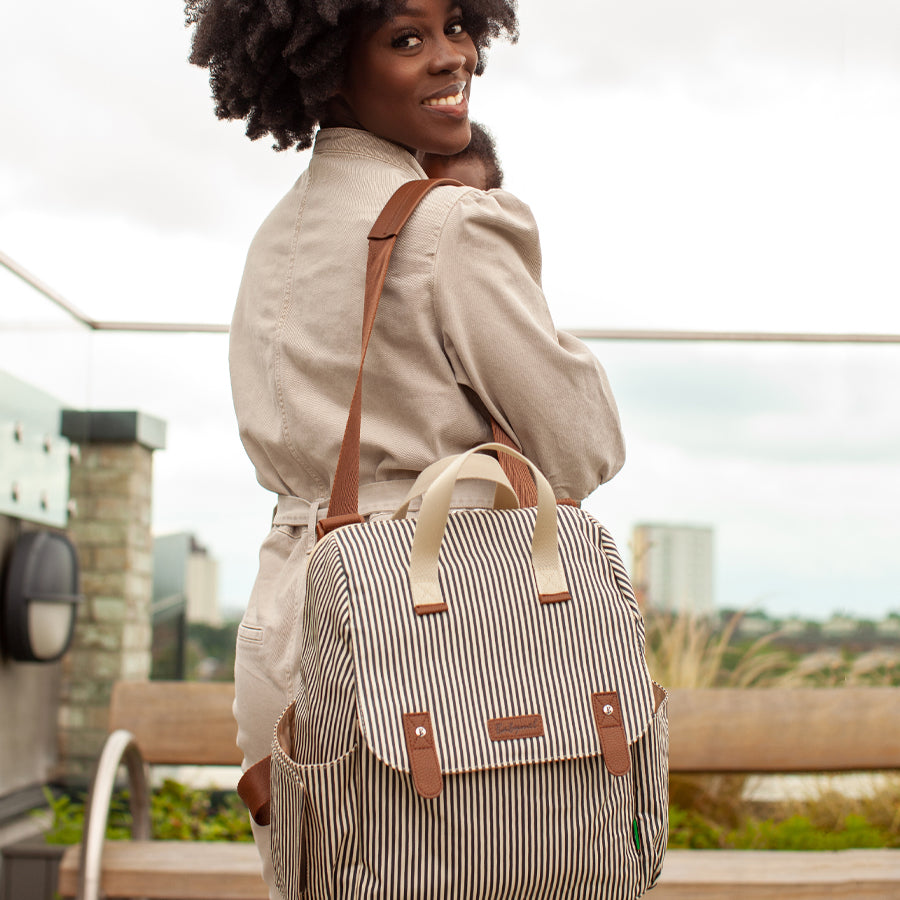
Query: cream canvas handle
479	466
423	561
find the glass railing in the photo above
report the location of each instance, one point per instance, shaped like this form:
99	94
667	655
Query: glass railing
783	455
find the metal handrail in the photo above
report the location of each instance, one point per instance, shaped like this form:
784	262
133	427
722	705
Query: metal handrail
796	337
119	748
97	324
585	334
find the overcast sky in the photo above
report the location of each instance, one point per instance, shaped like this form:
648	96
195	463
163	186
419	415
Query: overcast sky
692	165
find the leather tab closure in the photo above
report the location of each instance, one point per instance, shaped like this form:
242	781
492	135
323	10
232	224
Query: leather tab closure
423	761
613	743
323	526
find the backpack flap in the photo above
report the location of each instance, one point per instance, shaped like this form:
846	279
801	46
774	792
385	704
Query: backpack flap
498	679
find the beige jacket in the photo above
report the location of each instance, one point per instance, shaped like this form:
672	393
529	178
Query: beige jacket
462	321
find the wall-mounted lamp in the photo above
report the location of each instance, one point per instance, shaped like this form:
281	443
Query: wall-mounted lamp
40	597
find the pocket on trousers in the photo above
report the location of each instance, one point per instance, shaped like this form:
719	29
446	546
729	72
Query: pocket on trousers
250	634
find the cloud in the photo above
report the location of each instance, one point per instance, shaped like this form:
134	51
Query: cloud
700	41
108	118
697	164
737	172
763	402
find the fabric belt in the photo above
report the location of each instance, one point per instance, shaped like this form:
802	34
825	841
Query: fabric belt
379	497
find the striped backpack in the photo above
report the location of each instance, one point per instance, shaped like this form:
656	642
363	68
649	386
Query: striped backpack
476	718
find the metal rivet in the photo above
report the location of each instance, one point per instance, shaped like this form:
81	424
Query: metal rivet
608	710
421	732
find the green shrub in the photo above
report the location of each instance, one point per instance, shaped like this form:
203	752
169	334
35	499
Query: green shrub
68	818
691	831
799	833
688	829
177	812
831	822
181	813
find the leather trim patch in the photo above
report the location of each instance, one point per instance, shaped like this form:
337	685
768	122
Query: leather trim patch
514	727
324	526
423	761
561	597
253	789
426	609
613	744
659	694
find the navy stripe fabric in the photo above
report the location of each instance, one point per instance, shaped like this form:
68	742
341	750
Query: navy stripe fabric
537	817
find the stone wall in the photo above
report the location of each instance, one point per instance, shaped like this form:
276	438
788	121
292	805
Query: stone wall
111	483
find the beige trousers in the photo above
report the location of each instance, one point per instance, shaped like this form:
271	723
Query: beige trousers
265	672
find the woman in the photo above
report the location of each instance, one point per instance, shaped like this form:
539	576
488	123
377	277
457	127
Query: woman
463	330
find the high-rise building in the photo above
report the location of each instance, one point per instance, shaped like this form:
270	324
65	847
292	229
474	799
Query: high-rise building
672	568
185	574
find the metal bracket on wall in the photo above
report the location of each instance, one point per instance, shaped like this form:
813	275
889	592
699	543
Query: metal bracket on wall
34	456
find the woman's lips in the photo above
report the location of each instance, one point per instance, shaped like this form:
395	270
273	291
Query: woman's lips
451	101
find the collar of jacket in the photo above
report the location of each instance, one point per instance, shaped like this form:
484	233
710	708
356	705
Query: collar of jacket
357	142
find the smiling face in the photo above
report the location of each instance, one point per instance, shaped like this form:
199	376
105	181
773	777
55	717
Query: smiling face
408	80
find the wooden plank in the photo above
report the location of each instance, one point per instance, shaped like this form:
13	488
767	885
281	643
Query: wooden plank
778	875
710	730
780	730
176	870
173	870
178	722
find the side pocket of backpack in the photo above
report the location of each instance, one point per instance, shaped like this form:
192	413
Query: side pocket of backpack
311	815
650	760
288	827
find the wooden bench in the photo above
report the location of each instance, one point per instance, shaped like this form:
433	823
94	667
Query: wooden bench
161	723
755	730
781	731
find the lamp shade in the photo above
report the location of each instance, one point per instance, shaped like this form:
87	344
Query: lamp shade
40	597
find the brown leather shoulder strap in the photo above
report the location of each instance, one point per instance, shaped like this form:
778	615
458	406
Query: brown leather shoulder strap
403	204
345	489
343	507
517	472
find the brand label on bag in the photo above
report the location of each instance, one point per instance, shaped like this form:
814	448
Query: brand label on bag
515	727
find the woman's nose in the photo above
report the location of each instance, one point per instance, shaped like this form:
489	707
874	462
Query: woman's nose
449	56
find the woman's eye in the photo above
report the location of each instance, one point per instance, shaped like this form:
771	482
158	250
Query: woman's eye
406	41
456	28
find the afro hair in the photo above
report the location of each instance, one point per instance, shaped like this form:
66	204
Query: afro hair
276	63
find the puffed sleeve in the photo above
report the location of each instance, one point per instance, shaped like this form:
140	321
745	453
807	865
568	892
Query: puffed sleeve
544	387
